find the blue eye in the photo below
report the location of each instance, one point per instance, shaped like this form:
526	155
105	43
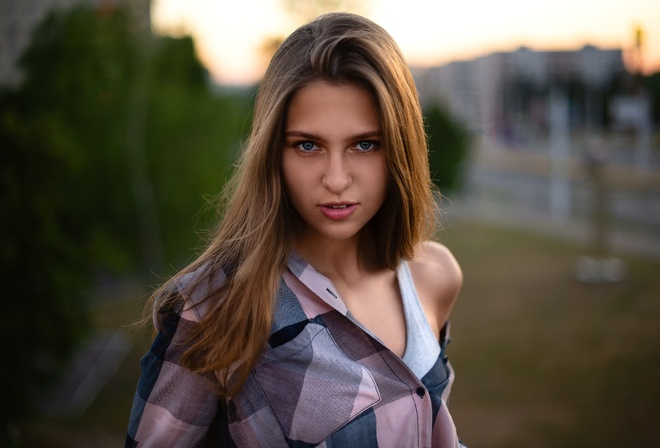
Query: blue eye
366	145
306	146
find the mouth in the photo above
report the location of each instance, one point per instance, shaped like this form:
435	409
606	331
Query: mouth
337	205
338	211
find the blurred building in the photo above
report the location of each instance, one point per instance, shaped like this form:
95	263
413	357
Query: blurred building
19	19
507	94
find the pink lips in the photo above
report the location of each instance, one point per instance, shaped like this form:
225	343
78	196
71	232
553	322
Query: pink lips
338	211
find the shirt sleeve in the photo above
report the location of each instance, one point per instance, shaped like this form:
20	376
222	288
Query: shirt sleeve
172	407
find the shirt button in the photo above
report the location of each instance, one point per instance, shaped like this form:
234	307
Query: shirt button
420	391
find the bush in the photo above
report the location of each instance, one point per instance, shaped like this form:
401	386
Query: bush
448	146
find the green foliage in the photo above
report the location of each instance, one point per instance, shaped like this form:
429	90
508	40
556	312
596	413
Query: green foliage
448	146
79	68
94	72
193	137
42	256
175	63
94	91
191	161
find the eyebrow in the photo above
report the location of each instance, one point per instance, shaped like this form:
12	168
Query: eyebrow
362	136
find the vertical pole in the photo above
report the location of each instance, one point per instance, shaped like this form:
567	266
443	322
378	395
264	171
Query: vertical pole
643	131
598	266
599	204
560	193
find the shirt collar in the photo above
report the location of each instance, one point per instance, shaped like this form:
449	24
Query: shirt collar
316	282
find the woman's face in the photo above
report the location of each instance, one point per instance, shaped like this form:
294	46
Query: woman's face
333	167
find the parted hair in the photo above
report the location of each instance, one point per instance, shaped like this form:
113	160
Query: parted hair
254	238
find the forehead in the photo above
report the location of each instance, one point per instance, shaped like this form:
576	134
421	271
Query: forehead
325	105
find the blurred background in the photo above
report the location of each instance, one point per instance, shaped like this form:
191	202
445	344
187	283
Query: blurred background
120	122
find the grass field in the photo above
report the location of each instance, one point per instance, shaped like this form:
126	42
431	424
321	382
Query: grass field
541	360
545	361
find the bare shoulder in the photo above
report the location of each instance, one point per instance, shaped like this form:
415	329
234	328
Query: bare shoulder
435	264
438	280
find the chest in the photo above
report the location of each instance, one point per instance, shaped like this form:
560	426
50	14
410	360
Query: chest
376	303
366	391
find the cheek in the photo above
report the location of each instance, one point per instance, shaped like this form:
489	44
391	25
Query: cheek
295	180
380	177
288	172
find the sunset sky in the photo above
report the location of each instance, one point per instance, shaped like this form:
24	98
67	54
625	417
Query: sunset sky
230	35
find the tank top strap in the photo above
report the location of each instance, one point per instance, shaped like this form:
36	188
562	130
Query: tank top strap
422	346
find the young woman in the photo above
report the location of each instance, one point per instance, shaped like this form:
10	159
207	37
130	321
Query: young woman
318	313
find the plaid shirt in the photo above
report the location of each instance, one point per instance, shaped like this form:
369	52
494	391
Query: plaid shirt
323	380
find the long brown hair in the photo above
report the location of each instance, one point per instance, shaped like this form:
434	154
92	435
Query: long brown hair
254	238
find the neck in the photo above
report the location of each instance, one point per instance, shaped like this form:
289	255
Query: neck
338	260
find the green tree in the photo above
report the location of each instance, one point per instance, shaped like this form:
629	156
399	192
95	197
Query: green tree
56	134
79	68
448	147
67	185
42	257
88	69
193	138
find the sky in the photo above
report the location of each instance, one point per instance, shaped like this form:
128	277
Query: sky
230	34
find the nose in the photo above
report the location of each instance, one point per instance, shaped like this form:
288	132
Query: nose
337	176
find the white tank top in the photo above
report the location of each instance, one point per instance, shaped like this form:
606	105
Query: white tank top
422	346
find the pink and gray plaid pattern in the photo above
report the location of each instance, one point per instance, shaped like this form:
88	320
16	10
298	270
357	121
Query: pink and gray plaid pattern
323	380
